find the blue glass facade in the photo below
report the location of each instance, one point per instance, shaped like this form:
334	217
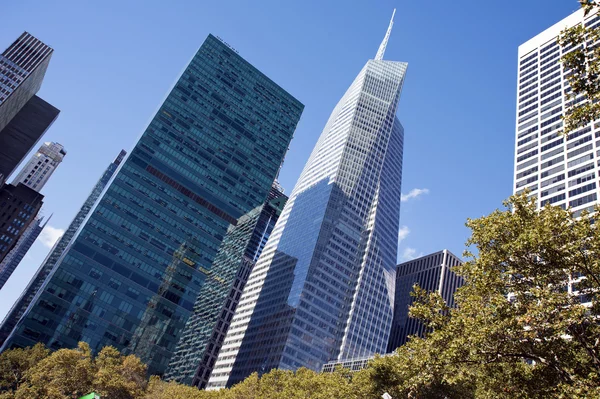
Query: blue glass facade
21	305
205	330
323	288
208	156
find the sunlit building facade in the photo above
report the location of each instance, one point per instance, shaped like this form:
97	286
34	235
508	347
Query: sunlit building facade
557	169
36	172
323	287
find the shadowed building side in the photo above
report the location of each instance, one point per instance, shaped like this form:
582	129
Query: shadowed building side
433	273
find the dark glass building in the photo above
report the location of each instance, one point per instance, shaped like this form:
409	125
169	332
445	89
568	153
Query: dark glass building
24	117
14	257
19	206
205	330
19	307
432	272
209	155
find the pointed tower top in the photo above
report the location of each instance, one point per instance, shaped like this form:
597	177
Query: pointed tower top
381	51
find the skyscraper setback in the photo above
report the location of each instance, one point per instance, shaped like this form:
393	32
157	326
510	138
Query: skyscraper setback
209	155
557	169
323	287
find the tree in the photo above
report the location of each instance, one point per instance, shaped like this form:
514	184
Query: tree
158	389
517	330
66	373
118	376
14	363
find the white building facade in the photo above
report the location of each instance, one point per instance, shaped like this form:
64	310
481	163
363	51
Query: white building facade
557	169
323	288
40	167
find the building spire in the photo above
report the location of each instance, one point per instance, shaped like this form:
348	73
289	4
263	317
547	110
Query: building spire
381	51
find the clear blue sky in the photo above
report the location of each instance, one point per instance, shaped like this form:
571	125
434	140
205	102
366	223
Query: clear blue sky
115	60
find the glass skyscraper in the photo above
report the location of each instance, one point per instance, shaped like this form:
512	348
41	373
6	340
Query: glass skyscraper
205	330
209	155
19	307
323	288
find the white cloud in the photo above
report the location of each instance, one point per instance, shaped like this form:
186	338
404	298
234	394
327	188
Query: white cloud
403	233
409	254
50	235
414	193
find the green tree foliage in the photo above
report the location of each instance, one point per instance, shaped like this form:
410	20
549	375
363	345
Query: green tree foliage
158	389
118	376
70	373
66	373
517	331
14	364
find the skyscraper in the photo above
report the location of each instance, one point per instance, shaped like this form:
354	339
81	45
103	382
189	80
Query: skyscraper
23	132
19	205
21	304
205	330
433	273
14	257
41	166
557	170
22	68
24	117
34	175
209	155
323	288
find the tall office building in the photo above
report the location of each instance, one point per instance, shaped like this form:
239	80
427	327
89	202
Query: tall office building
209	155
433	273
14	257
24	117
34	175
22	68
205	330
556	169
23	132
41	166
21	304
323	288
19	205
